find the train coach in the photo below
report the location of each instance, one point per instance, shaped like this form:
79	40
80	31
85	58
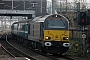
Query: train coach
49	33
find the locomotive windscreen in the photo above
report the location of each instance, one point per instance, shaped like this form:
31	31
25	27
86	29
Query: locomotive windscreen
56	24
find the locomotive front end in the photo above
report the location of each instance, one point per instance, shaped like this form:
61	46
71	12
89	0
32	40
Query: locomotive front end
56	34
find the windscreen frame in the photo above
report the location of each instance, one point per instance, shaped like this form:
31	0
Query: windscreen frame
56	18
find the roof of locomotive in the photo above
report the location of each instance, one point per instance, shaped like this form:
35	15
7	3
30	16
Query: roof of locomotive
39	19
42	18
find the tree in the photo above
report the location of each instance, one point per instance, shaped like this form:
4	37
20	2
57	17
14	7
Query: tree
83	7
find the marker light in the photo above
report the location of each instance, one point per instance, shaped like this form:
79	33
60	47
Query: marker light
65	38
47	37
56	16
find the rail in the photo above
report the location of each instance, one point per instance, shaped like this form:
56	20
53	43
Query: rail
18	49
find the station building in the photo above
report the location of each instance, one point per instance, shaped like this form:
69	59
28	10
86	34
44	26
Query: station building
39	6
17	7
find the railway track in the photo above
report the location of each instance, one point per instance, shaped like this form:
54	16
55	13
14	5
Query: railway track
49	56
61	57
14	47
10	50
30	52
13	51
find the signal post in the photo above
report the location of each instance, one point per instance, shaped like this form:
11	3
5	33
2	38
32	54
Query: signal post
83	21
83	40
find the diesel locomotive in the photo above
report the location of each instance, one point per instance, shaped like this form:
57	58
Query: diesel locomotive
49	33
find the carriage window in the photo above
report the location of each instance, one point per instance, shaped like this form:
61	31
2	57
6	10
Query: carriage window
28	28
33	30
56	24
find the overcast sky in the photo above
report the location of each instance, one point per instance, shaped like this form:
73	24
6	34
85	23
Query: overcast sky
73	0
85	1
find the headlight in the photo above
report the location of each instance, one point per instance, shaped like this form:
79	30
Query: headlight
47	37
65	38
